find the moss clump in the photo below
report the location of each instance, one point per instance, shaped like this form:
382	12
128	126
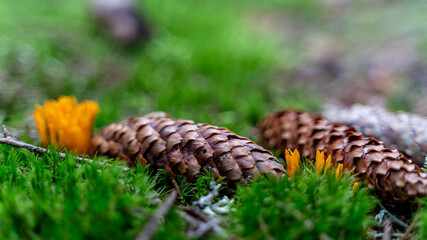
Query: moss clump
47	197
308	206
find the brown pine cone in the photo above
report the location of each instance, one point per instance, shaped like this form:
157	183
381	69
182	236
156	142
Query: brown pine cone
183	147
393	177
404	131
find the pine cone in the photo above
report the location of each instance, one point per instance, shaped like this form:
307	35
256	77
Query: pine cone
393	177
183	147
403	131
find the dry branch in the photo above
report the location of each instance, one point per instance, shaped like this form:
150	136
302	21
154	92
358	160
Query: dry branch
388	228
8	139
202	217
6	132
151	227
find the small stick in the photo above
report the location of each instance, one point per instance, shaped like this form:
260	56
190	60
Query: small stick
11	141
194	223
195	212
178	189
200	223
392	217
387	228
414	222
204	228
6	132
151	227
168	191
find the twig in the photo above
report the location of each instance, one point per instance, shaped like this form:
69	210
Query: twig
152	225
6	133
196	212
392	217
11	141
168	191
201	217
387	228
394	235
414	222
178	189
194	222
205	227
200	223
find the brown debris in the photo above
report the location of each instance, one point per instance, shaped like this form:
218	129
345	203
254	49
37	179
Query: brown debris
121	20
393	177
183	147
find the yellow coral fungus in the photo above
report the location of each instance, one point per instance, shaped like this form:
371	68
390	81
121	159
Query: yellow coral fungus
64	122
292	161
293	158
338	171
355	185
321	163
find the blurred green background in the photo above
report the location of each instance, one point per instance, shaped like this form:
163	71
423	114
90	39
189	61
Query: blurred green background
223	62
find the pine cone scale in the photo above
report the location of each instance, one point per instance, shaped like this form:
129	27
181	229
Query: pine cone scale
180	163
223	148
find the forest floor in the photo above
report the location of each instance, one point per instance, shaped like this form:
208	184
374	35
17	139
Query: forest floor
369	52
221	62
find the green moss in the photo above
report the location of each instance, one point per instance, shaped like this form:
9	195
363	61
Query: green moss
308	206
421	217
49	198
